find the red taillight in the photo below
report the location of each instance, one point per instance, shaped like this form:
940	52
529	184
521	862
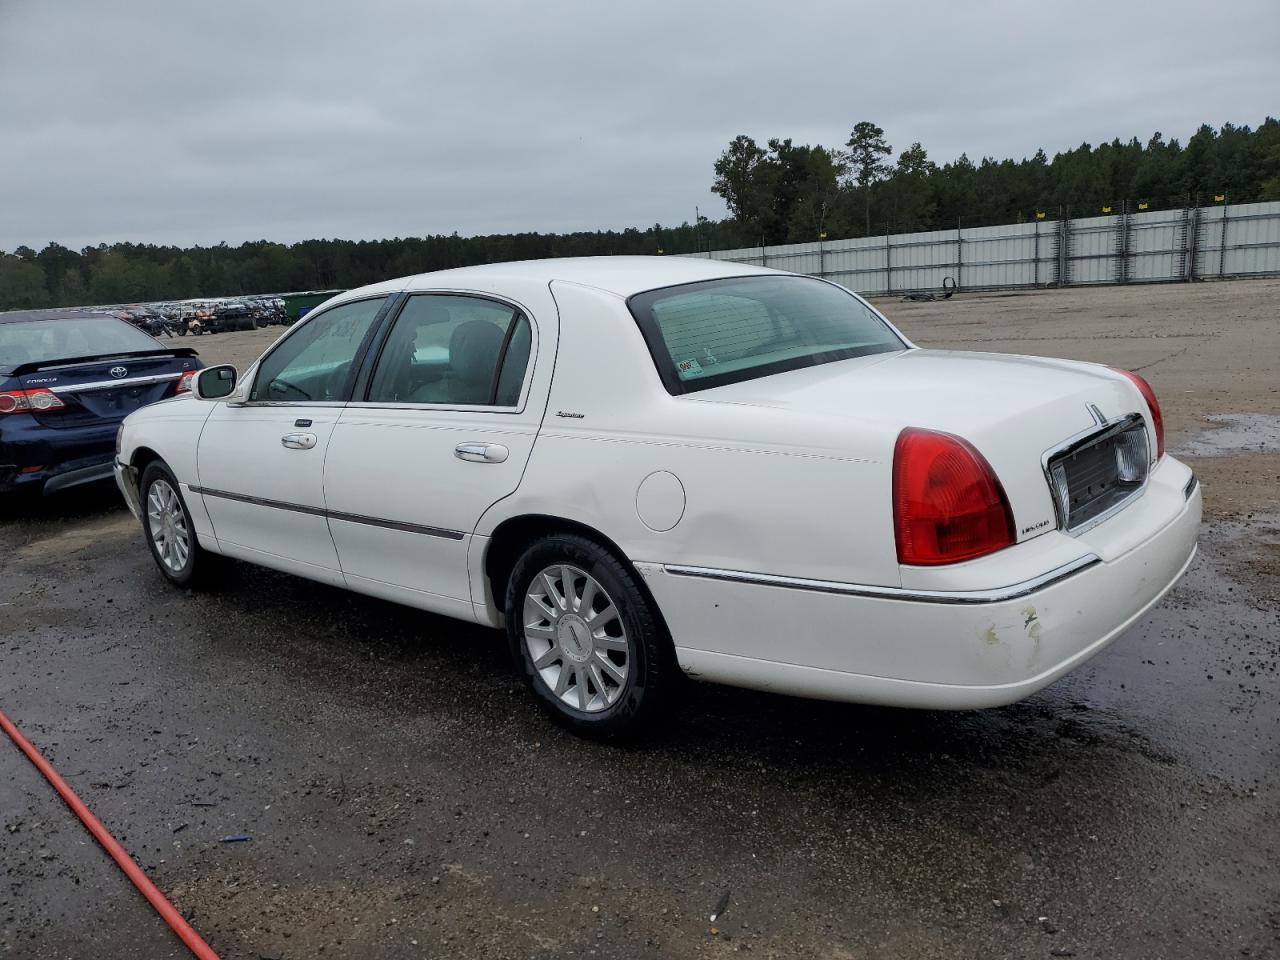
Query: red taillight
184	382
30	401
1149	395
948	504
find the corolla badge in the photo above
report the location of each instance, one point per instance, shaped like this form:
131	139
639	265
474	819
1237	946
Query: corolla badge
119	372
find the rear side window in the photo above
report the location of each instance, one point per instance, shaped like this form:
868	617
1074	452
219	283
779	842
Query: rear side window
454	350
722	331
38	341
313	364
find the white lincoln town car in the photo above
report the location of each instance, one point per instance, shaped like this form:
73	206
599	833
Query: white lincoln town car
642	467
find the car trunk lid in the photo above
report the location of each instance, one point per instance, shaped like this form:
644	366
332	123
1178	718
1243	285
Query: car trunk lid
1018	411
105	389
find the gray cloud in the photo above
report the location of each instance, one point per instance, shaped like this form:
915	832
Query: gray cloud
180	123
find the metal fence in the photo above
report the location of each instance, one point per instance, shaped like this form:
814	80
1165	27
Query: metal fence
1194	243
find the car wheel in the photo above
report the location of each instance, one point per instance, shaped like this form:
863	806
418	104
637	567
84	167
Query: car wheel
167	524
587	638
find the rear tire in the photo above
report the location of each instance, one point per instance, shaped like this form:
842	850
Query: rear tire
587	638
166	522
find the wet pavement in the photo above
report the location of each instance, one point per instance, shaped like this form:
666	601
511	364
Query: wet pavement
405	798
1249	432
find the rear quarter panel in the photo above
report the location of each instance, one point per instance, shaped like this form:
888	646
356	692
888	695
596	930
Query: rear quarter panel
761	492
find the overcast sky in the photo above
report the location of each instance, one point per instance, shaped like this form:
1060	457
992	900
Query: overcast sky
180	122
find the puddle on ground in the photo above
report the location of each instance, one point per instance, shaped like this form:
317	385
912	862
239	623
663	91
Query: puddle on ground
1235	432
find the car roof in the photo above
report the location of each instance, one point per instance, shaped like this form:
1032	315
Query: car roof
623	276
64	313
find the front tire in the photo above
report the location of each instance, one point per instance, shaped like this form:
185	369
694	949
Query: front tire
587	638
166	521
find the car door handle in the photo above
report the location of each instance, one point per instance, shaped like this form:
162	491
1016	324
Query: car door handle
298	441
481	452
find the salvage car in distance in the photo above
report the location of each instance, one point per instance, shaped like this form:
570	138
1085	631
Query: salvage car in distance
67	379
641	466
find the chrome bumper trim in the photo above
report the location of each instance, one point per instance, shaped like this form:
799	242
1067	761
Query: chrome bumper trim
993	595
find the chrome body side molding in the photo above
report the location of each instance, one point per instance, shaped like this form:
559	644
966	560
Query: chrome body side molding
993	595
331	514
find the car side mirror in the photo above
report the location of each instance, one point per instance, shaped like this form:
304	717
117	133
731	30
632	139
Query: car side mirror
215	383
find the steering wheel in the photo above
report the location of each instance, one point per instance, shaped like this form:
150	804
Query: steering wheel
279	385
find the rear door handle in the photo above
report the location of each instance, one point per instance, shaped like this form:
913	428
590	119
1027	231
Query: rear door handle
298	441
481	452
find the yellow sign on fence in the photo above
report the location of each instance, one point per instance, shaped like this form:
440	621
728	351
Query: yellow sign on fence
1142	205
1219	197
1039	214
1106	209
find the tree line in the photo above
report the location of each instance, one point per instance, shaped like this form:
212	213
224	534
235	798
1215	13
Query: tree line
134	272
787	193
777	193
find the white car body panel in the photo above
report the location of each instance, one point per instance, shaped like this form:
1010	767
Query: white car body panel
240	453
174	427
930	654
758	513
444	493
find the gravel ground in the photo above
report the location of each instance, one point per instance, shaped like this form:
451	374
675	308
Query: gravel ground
406	799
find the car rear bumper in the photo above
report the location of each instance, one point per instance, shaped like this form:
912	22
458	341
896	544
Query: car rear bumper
956	649
37	458
55	478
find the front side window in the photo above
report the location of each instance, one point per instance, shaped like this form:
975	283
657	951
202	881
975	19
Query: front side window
722	331
314	363
456	350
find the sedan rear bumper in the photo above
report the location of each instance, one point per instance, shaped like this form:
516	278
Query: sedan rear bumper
73	478
957	650
56	477
37	458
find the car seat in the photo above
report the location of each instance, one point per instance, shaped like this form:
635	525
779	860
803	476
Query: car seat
473	359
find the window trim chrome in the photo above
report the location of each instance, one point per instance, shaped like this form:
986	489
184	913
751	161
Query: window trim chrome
357	405
992	595
406	295
335	404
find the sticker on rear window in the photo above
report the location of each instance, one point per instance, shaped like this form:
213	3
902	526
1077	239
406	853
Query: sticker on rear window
689	368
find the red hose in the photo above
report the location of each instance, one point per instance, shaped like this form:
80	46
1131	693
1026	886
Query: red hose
118	853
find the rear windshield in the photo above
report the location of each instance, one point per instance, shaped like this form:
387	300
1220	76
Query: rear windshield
722	331
38	341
